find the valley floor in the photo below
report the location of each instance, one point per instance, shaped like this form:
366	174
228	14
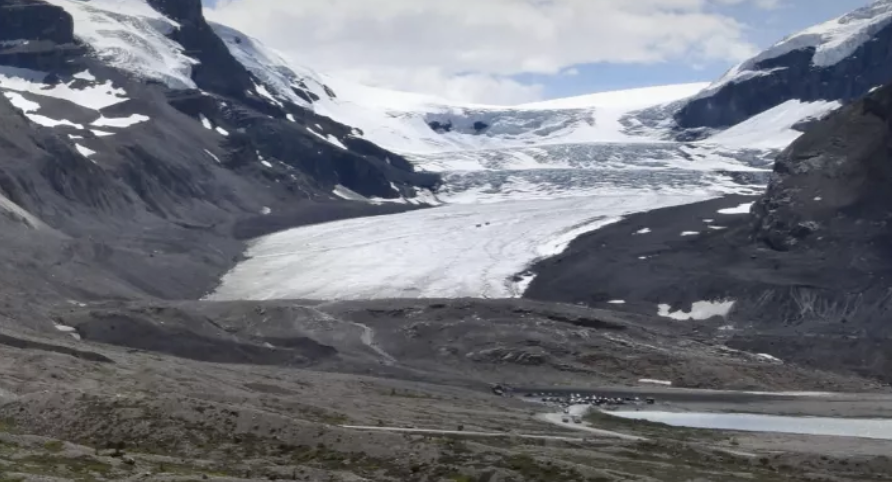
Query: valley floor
151	417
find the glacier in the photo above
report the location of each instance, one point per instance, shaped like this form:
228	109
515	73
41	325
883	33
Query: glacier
519	183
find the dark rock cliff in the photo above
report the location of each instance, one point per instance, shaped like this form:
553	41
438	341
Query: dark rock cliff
831	186
34	21
36	35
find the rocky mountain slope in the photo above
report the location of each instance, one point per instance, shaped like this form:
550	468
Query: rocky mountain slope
802	275
137	151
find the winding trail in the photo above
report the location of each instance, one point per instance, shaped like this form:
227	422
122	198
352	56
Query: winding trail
552	418
426	431
368	339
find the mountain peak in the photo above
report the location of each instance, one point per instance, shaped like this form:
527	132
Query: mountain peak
839	60
183	11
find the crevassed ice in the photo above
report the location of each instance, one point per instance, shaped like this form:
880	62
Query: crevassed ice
132	36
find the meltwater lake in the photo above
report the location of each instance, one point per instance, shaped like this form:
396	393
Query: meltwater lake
873	428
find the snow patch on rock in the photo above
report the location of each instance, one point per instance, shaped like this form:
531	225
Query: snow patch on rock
95	97
120	122
650	381
213	156
21	103
773	129
48	122
741	209
344	192
132	36
700	310
84	151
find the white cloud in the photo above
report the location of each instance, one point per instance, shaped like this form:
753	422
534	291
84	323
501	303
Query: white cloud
468	50
763	4
473	87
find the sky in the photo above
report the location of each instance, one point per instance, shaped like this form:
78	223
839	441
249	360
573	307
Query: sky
514	51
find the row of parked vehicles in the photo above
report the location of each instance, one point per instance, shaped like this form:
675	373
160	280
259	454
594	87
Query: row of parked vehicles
592	400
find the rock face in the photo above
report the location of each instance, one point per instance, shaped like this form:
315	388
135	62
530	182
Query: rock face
831	185
32	20
841	60
828	203
36	35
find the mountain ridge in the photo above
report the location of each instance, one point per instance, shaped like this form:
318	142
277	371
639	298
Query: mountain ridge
839	60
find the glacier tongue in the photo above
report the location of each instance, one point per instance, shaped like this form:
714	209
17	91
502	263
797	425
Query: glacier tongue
451	251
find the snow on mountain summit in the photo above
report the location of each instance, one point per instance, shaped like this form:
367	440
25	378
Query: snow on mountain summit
832	42
629	99
837	61
279	81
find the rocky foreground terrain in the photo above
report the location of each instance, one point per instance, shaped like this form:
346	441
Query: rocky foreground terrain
390	391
